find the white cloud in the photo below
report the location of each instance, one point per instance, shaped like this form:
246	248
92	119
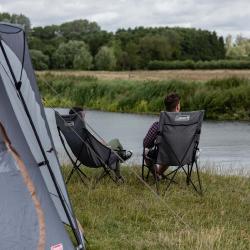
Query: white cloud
224	16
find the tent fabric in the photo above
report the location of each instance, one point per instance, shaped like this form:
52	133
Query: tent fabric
18	219
179	133
15	66
35	108
12	153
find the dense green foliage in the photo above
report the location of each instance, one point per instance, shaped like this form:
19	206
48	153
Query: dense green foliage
190	64
39	60
221	99
131	217
132	48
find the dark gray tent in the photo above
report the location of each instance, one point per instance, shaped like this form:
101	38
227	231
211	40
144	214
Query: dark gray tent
22	114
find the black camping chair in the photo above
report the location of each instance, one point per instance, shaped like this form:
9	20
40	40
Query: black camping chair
87	150
177	145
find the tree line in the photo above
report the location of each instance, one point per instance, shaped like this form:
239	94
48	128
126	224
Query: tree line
81	44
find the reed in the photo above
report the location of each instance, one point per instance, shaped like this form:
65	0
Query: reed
222	99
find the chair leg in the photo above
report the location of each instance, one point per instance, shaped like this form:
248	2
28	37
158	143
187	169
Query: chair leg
169	178
148	175
172	178
156	180
198	175
102	175
82	173
70	174
142	171
188	174
79	173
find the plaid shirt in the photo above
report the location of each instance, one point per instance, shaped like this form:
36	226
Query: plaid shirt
150	137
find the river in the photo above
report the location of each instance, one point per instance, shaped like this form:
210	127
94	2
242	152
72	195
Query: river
224	146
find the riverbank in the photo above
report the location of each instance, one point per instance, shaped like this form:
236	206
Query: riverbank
131	217
225	99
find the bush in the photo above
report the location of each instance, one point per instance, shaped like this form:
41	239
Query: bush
189	64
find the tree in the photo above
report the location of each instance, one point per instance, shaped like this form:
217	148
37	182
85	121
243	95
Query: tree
241	48
39	60
229	41
105	59
96	40
131	56
77	28
5	17
154	47
65	55
83	60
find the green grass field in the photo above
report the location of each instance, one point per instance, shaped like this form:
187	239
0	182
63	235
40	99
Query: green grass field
130	216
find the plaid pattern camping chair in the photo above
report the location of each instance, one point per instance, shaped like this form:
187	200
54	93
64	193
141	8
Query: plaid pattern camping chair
177	144
86	150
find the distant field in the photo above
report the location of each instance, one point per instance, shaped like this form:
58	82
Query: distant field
192	75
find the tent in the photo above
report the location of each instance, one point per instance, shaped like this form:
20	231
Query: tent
23	117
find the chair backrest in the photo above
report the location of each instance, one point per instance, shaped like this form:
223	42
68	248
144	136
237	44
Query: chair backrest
85	147
179	137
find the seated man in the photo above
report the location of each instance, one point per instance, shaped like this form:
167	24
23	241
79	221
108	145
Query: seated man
172	104
114	144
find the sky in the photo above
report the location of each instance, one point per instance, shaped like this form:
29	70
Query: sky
223	16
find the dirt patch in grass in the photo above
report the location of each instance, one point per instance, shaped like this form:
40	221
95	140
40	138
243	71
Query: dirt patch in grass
192	75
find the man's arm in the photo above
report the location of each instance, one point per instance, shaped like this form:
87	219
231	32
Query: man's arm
150	137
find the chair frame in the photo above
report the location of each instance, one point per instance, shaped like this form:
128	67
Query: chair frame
77	164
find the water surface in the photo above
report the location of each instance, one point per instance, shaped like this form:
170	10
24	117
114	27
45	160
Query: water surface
224	145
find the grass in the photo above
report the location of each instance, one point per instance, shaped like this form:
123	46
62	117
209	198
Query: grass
130	216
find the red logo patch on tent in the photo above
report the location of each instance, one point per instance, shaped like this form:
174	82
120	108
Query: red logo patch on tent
57	247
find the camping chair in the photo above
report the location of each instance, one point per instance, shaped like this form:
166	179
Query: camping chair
86	149
177	143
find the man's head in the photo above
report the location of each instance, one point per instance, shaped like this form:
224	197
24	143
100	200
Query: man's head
172	102
77	110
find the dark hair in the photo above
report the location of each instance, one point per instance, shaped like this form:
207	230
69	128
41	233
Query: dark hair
171	101
75	110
